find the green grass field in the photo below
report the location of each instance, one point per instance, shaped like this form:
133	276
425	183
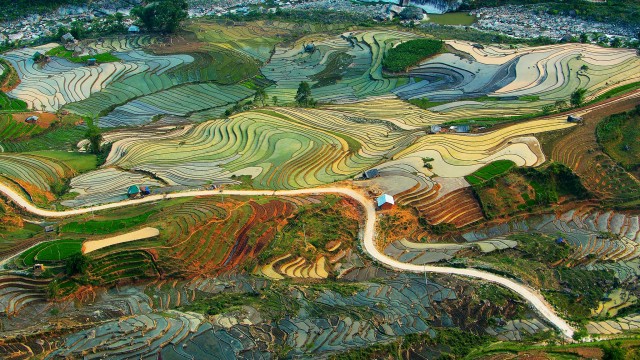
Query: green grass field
80	162
10	104
490	171
51	251
619	135
105	226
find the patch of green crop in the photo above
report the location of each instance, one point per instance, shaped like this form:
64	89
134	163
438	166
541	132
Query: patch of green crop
410	53
61	52
106	226
490	171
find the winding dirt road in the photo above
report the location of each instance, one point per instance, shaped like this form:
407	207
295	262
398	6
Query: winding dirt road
532	296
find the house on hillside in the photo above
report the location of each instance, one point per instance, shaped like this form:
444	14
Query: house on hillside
385	202
370	174
144	190
133	191
67	38
31	119
434	129
133	29
91	62
38	269
463	128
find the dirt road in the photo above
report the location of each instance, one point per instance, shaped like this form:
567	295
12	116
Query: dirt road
532	296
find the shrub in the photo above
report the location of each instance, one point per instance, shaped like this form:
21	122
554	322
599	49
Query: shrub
577	97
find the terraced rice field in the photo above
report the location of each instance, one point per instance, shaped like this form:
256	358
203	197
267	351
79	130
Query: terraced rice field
425	253
52	85
490	171
293	148
33	174
17	292
521	81
216	240
179	101
457	155
580	151
11	129
584	230
330	321
361	78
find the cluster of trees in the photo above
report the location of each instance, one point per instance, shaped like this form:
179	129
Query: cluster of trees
303	95
162	15
410	53
411	13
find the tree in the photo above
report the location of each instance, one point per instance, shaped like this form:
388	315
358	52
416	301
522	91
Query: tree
274	99
94	135
616	42
260	96
76	264
61	31
163	15
614	352
584	38
577	97
77	30
303	96
580	334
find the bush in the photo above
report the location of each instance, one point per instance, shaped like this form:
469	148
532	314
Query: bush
577	97
76	264
410	53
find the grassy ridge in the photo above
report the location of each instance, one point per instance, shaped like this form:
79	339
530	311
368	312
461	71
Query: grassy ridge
60	51
410	53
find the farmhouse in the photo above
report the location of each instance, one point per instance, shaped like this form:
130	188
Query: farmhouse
91	62
434	129
463	128
133	191
385	202
145	190
133	29
370	174
574	119
67	38
31	119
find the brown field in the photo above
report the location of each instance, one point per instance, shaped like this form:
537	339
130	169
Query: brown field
44	118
